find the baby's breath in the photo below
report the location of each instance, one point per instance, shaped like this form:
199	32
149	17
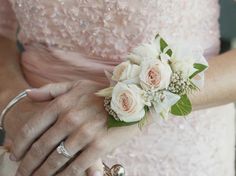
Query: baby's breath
154	96
107	105
180	85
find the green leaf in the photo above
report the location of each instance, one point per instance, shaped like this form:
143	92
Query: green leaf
169	52
146	109
200	68
163	44
158	35
115	123
183	107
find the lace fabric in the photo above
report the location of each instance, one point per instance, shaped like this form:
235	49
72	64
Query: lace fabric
105	30
108	29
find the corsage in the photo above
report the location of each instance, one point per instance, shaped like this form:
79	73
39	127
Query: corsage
156	78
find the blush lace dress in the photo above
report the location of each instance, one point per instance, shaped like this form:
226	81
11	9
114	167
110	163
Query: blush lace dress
77	39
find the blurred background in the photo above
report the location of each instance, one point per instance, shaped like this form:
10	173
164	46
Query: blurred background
228	24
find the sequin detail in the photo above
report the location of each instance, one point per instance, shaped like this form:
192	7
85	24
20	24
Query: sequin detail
108	29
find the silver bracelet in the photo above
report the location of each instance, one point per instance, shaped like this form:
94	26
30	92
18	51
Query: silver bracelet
9	106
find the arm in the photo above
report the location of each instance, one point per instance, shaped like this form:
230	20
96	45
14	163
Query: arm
10	74
220	83
76	107
12	82
11	77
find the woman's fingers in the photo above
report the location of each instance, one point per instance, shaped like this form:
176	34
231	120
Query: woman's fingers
85	159
73	144
49	91
98	148
32	130
41	148
96	169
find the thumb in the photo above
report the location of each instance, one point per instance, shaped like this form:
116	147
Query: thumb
96	169
49	91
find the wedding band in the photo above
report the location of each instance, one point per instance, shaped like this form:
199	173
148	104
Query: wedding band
63	151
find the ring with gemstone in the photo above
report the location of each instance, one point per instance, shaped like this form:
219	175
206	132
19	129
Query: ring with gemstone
63	151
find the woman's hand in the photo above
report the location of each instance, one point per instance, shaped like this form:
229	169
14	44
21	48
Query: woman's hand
19	115
75	115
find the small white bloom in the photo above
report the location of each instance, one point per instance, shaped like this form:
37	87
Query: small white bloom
155	74
184	66
126	71
184	57
145	51
127	102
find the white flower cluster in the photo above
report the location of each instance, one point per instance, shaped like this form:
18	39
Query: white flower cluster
178	84
154	76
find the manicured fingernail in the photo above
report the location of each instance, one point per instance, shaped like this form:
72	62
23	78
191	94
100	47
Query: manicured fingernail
97	173
30	90
12	157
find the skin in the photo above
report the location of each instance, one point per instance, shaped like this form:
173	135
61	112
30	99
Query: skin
79	117
220	82
14	83
71	110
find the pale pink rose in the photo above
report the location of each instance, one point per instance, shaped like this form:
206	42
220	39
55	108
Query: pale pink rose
126	71
127	102
154	77
155	74
145	51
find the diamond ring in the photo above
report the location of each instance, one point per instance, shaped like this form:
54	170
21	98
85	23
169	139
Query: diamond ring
63	151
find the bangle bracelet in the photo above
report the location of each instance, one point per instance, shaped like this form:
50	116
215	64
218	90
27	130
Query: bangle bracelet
9	106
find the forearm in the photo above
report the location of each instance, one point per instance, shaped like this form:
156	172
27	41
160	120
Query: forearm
11	78
220	82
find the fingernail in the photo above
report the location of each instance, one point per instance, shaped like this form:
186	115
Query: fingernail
12	157
30	90
97	173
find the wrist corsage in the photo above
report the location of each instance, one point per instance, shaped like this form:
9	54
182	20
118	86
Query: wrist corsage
156	78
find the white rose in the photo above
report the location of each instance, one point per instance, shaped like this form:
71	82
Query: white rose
184	57
155	74
183	65
127	102
145	51
126	71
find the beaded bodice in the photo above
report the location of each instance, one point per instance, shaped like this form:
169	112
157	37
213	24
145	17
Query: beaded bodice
109	28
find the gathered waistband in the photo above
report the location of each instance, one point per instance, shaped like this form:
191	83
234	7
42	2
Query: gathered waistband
42	65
